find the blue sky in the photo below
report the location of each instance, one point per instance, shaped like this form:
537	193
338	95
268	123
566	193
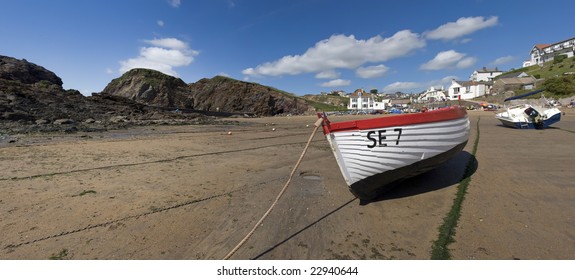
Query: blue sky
300	46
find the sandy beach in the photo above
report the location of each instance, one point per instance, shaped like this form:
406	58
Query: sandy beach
193	192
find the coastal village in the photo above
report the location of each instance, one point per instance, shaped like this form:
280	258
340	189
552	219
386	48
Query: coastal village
155	168
482	82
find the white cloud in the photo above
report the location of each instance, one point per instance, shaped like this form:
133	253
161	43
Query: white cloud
402	86
444	82
171	43
175	3
109	71
463	26
329	74
371	71
466	62
448	60
503	60
163	56
160	23
336	83
340	51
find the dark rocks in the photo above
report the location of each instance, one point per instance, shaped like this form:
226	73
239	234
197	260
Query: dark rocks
17	116
229	95
118	119
63	121
151	88
26	72
42	106
219	94
32	100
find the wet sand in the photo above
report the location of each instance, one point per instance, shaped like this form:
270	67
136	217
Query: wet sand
193	192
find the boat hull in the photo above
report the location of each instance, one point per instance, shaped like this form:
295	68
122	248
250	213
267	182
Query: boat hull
374	186
374	155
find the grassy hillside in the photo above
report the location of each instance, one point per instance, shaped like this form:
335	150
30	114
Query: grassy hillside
323	107
550	69
327	102
558	76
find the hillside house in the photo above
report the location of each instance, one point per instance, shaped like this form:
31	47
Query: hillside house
485	74
400	103
361	100
467	89
542	53
513	81
432	95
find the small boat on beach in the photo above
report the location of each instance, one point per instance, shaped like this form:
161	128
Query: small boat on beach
375	154
528	115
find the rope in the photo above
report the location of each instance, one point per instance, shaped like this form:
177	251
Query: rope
317	125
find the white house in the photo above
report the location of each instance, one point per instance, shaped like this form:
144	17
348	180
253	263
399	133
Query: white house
467	89
542	53
432	94
485	74
361	100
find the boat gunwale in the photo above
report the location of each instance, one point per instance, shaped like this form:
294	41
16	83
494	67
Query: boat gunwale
443	114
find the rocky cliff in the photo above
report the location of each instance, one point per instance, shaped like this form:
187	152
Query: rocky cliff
152	88
25	72
229	95
32	99
218	94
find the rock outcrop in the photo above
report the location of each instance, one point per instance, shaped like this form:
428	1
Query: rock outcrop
26	72
229	95
152	88
218	94
32	99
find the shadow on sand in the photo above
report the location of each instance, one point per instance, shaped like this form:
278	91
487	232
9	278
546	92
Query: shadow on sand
452	172
460	167
304	229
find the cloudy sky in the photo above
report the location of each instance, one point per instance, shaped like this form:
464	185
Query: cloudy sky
299	46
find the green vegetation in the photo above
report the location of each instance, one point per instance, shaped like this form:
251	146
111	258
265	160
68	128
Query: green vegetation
85	193
439	250
559	76
559	59
60	256
562	86
555	68
327	103
323	107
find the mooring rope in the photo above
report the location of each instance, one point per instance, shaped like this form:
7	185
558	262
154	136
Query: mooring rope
317	125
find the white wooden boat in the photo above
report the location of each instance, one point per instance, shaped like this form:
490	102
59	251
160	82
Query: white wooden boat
375	154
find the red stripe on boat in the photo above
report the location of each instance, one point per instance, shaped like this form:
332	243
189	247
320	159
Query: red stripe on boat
444	114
